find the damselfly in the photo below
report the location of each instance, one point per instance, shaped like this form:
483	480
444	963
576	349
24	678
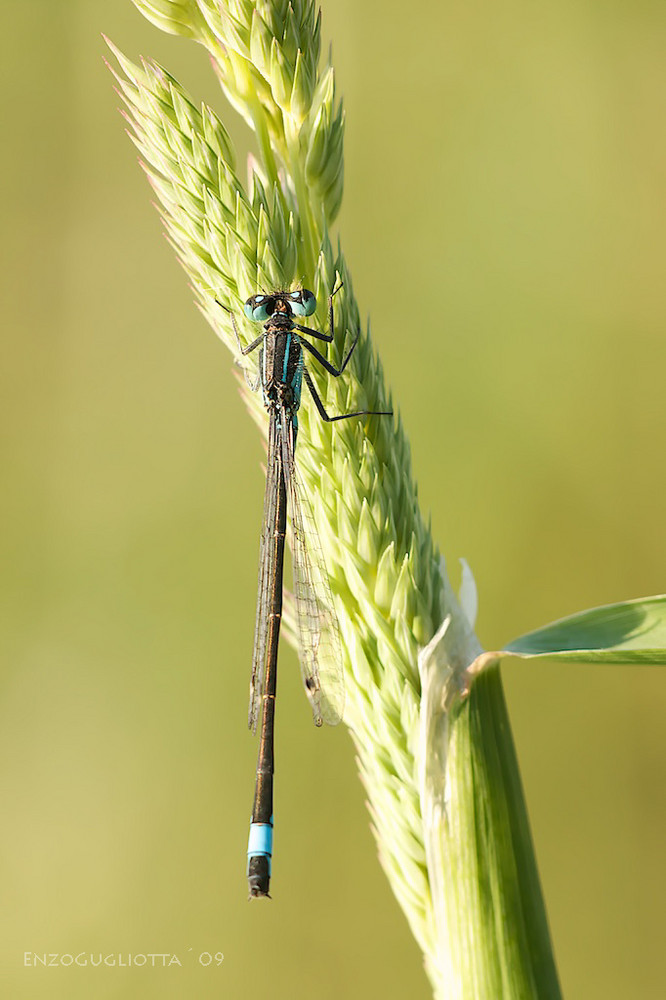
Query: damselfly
281	374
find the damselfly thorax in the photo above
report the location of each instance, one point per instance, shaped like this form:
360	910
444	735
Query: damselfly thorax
281	367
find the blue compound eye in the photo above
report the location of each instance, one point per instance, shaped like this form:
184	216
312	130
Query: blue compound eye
303	303
259	308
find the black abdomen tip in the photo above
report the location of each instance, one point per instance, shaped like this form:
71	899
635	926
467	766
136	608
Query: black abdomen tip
258	877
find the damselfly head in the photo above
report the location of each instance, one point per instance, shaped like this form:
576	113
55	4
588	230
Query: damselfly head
299	303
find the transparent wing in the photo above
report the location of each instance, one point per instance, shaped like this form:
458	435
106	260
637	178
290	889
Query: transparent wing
320	646
267	571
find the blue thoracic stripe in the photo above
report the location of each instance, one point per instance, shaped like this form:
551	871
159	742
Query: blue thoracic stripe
298	380
286	357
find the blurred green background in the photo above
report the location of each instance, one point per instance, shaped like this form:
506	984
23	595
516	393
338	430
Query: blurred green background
504	223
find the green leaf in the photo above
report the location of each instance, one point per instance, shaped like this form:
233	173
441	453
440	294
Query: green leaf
630	632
